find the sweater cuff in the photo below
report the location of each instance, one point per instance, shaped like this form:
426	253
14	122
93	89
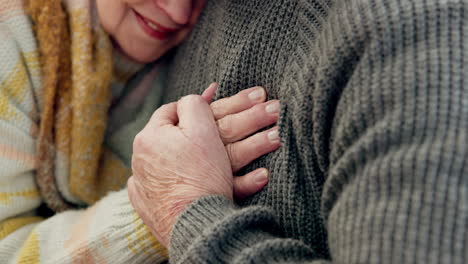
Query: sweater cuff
195	220
128	229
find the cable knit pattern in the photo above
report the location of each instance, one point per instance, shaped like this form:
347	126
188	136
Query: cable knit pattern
374	126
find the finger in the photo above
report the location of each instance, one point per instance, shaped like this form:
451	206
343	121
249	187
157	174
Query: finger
237	126
250	183
239	102
165	115
243	152
195	116
209	92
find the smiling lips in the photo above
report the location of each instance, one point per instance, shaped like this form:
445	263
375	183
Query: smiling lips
154	29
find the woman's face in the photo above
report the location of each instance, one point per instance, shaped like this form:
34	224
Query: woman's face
146	29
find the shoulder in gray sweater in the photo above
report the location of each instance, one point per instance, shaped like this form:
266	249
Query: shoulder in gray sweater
374	127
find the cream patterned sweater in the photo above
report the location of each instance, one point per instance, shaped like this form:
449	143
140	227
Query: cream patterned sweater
107	232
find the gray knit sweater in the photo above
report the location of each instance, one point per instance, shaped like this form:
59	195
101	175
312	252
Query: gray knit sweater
374	128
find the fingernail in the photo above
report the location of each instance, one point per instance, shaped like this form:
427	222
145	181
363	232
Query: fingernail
261	177
273	136
213	86
273	107
257	94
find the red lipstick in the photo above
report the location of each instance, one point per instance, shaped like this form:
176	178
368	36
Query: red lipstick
154	29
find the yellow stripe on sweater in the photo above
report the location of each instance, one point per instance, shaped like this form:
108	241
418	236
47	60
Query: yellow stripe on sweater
11	225
12	89
142	239
5	197
31	59
29	253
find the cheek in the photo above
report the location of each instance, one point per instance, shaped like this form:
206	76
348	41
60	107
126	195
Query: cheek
111	14
198	8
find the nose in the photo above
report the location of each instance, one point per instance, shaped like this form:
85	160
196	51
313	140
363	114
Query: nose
178	10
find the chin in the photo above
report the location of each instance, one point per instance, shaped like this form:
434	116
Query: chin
141	55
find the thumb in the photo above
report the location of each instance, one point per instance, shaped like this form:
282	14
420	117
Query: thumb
196	117
209	92
165	115
251	183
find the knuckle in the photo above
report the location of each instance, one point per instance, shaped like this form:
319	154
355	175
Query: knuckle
255	116
138	142
164	107
225	128
217	108
233	155
258	110
160	111
191	99
141	143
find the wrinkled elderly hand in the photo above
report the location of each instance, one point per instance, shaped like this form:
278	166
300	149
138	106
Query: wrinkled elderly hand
180	156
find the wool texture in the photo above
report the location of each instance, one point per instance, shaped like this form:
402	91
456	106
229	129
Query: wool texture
69	45
373	124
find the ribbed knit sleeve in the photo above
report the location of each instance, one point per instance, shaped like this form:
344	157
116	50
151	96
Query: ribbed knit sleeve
397	184
389	128
214	230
